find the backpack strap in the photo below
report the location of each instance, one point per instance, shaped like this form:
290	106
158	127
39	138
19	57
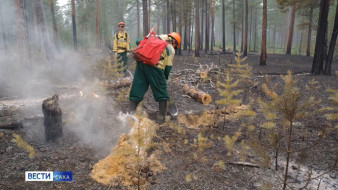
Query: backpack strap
125	36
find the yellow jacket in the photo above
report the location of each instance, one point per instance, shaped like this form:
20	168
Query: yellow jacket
167	56
121	43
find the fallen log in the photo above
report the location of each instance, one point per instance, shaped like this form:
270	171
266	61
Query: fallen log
245	164
52	118
119	83
198	95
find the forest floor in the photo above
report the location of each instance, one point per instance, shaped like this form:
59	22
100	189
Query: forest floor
188	167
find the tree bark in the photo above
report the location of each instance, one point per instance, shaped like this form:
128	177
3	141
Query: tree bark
138	18
52	118
291	27
234	25
242	25
264	24
197	52
74	25
250	33
300	44
274	38
97	24
149	12
55	30
255	36
21	25
42	26
168	16
173	14
191	30
213	25
202	12
245	40
158	17
207	25
179	52
332	45
186	25
308	47
4	38
223	26
317	65
145	17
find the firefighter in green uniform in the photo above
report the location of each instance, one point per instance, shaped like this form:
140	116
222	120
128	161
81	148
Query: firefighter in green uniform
121	45
156	77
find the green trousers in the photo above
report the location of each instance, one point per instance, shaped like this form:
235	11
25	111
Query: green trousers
144	76
122	58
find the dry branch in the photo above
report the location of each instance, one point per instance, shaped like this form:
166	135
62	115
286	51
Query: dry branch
245	164
198	95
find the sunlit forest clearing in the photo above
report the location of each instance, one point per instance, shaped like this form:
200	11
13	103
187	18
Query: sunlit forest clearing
253	94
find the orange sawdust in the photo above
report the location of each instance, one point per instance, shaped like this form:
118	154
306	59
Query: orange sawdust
128	159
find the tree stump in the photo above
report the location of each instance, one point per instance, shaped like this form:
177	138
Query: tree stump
52	118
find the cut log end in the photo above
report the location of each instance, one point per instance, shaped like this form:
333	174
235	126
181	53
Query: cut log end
198	95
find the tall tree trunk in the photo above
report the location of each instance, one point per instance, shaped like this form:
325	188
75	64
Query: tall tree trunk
274	38
245	40
180	3
55	30
308	47
149	12
291	26
317	65
74	25
173	14
22	41
223	26
138	18
186	25
242	28
164	20
42	26
255	36
145	17
197	52
300	43
97	24
332	45
202	12
234	25
168	16
213	25
158	17
264	24
250	34
4	38
191	30
207	25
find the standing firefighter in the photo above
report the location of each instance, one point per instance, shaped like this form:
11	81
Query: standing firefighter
121	45
156	76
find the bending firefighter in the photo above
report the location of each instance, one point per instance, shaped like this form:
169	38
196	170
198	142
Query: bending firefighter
155	76
121	45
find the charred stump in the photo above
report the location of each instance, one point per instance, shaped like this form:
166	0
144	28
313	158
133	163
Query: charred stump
52	118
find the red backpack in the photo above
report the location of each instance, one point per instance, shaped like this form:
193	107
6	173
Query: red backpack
149	50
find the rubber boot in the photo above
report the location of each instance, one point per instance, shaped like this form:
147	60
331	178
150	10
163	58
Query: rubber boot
162	113
132	106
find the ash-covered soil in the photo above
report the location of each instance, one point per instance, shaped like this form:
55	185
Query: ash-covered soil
187	168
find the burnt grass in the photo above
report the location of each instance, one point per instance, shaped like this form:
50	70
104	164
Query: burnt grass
178	156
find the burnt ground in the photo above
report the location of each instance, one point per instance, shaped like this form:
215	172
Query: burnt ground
187	167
